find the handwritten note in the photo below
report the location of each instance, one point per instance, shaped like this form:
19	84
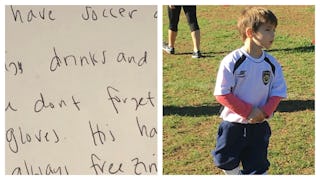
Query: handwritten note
81	91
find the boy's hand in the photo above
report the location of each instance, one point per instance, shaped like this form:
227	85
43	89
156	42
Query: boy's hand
256	116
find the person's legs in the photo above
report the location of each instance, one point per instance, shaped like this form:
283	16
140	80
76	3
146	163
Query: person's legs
174	16
196	40
254	157
231	140
169	47
172	35
191	15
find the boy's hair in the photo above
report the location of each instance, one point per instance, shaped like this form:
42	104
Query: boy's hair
254	17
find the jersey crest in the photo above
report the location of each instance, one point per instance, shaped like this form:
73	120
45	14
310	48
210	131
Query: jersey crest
266	77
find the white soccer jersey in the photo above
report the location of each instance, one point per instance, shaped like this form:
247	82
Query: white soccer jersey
250	79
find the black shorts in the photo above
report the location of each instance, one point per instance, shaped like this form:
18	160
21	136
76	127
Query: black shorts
245	143
191	14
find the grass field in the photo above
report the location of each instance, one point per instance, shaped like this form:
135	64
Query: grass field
190	112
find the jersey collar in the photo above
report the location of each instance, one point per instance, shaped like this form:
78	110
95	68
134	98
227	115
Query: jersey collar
257	60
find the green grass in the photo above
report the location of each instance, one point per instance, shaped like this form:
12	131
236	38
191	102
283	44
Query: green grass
190	118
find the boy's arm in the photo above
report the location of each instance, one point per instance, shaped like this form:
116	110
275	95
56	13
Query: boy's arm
246	110
235	104
271	105
278	91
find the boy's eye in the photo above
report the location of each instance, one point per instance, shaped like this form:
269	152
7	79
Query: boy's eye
270	29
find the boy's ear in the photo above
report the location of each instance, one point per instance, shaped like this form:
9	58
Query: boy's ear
249	32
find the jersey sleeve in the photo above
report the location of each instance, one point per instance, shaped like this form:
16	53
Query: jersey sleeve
225	79
279	87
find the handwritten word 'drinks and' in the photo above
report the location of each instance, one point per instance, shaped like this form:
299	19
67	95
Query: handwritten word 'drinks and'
59	61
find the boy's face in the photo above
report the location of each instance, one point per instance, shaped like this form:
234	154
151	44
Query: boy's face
264	36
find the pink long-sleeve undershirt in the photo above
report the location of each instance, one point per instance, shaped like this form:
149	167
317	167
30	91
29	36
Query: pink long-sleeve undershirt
243	108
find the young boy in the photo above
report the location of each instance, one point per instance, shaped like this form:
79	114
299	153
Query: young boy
250	85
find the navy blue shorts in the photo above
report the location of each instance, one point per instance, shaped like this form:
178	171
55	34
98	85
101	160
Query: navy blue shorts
245	143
